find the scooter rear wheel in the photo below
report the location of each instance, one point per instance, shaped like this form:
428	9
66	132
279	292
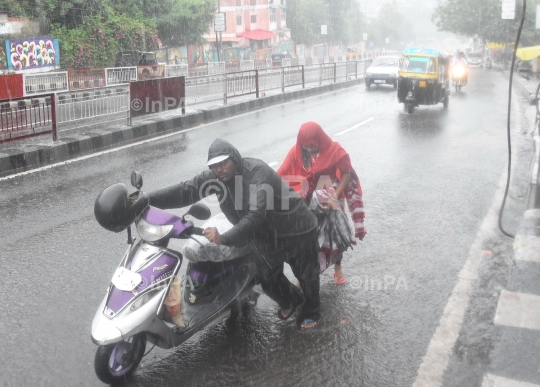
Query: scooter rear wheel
116	362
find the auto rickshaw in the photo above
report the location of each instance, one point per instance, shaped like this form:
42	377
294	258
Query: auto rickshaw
424	79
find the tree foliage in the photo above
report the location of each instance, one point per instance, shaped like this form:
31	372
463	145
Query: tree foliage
391	24
342	17
483	19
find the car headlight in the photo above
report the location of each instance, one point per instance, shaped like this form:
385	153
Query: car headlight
152	232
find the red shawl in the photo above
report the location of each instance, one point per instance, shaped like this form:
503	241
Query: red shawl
331	160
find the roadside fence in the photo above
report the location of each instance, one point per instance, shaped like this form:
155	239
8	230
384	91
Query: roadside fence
86	79
27	117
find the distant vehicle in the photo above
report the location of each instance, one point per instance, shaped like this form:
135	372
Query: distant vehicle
139	58
135	58
489	63
524	67
475	59
384	70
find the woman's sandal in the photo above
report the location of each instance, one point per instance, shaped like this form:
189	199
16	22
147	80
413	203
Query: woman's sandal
307	321
339	280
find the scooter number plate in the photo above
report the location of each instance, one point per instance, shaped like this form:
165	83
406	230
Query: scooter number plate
379	81
126	280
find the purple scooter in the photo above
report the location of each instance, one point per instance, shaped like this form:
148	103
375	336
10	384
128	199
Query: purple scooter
133	311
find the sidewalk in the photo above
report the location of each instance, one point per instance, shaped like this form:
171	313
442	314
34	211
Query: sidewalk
514	359
36	152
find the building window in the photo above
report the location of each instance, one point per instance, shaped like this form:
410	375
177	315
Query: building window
252	2
273	15
238	3
239	20
254	18
283	15
282	2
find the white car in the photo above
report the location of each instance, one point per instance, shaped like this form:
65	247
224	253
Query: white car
383	70
475	59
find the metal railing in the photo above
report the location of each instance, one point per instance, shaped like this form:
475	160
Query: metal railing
120	75
86	79
179	70
45	83
205	88
246	65
27	117
216	68
150	72
241	83
92	103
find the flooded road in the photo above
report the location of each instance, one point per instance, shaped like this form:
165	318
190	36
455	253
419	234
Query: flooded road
428	181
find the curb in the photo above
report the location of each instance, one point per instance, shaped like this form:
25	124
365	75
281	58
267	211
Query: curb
15	160
530	96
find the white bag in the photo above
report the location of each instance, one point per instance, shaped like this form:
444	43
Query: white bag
209	251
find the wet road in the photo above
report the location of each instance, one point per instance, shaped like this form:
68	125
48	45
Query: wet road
428	181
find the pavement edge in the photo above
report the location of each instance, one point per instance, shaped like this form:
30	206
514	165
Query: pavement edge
30	157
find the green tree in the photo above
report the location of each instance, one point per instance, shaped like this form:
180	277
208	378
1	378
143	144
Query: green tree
343	18
483	18
390	23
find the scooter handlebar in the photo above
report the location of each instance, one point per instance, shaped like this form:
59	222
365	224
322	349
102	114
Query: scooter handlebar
198	231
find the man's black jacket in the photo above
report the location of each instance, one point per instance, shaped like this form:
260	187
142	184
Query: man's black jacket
258	202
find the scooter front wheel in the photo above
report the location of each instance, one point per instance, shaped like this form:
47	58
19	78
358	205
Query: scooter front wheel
116	362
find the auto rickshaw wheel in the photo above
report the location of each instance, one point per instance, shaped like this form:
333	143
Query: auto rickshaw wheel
368	84
395	85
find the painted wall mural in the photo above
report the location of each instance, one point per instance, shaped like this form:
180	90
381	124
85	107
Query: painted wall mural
230	54
178	55
208	53
32	53
195	55
161	56
300	50
244	53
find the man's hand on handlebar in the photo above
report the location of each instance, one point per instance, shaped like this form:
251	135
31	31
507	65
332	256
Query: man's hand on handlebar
212	234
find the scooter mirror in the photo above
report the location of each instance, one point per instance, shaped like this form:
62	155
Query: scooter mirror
136	179
200	211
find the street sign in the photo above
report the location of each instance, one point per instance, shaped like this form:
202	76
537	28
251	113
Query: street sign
508	9
220	22
538	16
365	36
387	40
324	29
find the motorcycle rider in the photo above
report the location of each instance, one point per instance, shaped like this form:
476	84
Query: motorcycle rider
266	213
460	60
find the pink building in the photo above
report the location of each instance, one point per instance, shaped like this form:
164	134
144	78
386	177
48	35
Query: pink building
253	23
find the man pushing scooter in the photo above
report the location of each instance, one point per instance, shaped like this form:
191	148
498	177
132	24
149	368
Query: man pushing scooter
266	213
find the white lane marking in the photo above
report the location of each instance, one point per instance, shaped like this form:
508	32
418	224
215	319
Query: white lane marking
355	126
498	381
518	310
272	164
436	359
165	136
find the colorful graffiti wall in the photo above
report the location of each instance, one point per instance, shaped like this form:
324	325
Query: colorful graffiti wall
195	55
230	54
178	55
287	47
263	54
32	53
161	56
300	50
244	53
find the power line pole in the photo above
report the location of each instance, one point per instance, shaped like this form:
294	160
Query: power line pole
217	34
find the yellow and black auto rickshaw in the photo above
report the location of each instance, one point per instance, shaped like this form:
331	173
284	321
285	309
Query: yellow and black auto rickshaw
423	79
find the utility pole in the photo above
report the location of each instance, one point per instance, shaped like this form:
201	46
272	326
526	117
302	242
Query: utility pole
218	43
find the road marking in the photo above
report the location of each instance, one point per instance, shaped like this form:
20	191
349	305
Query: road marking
164	136
498	381
435	361
518	310
355	126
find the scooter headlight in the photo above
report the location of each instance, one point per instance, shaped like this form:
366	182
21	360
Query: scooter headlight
458	71
152	232
144	299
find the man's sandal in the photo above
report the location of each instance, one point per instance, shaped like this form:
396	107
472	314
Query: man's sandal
282	317
305	322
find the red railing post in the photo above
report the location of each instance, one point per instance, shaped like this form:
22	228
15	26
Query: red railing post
53	111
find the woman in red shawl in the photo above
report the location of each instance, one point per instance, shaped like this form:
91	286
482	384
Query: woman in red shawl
316	164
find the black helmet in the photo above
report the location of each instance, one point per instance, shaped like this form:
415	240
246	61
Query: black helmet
115	210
